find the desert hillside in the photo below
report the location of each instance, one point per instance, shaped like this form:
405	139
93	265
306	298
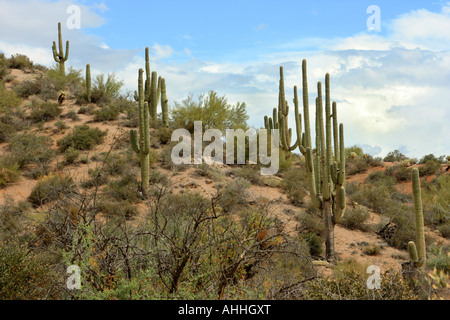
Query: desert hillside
71	194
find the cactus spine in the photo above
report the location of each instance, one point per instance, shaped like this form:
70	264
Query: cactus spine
60	57
141	144
417	250
88	82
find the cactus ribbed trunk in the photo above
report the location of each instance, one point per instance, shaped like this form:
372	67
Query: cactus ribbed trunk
60	57
164	104
141	144
420	234
88	82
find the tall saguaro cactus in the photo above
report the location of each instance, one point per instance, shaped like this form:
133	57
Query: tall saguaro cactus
164	103
60	57
417	250
88	82
141	144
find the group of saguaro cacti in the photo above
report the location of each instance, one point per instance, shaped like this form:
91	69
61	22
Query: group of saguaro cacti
60	57
417	250
279	120
141	143
325	164
154	88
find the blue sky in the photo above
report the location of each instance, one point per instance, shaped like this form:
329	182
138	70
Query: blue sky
392	86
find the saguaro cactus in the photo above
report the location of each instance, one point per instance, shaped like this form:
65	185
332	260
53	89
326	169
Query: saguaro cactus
60	57
326	172
417	250
141	144
164	103
88	82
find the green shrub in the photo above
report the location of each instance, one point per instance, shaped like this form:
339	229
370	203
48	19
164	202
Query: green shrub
45	111
439	257
356	165
106	113
89	109
371	249
72	81
356	218
380	177
71	154
9	171
430	168
20	61
311	223
164	135
355	149
250	173
126	188
104	92
395	156
11	218
315	244
4	66
11	122
50	188
212	110
234	194
31	148
295	185
117	209
23	275
27	88
399	172
82	138
444	229
60	126
8	99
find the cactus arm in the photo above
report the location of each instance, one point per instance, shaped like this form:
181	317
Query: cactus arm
134	141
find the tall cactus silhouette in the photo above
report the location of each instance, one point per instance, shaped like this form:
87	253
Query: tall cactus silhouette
417	250
60	57
88	82
141	144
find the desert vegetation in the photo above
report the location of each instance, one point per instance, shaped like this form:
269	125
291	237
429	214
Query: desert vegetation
87	180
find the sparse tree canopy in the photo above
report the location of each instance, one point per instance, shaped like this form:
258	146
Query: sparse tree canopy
214	111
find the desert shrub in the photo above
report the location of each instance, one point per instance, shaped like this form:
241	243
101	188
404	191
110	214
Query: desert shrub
125	188
373	162
444	229
44	111
248	172
399	172
82	138
357	151
376	198
356	218
4	66
352	285
96	178
105	91
106	113
295	185
50	188
71	115
8	99
212	110
164	135
115	163
430	157
31	148
117	209
311	223
89	109
395	156
9	170
380	177
430	168
12	218
371	249
70	155
60	126
315	244
356	165
234	194
12	122
71	81
23	275
27	88
439	257
20	61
